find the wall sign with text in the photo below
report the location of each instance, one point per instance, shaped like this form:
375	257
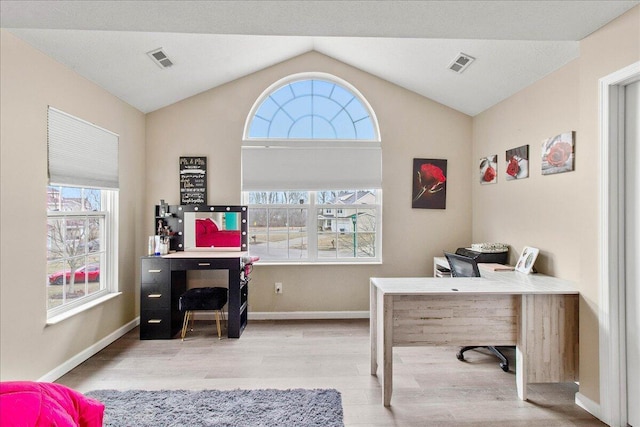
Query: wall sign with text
193	180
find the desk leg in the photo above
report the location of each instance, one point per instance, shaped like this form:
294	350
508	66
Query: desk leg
521	351
385	334
373	326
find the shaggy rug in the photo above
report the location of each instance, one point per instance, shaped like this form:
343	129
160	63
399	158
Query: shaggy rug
251	408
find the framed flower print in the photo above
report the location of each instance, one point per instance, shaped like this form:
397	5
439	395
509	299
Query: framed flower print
517	166
558	154
429	183
488	168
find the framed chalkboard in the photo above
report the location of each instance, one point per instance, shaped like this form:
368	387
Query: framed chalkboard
193	180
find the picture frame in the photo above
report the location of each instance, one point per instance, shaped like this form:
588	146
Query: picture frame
517	163
429	177
558	154
488	167
527	260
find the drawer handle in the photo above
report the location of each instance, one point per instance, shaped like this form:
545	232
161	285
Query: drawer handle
155	271
154	321
204	264
154	295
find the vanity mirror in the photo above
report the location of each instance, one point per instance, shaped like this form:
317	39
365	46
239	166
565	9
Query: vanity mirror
206	227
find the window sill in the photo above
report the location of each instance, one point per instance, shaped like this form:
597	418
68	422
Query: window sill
293	263
67	314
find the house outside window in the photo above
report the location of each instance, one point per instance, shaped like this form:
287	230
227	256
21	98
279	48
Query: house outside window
77	224
309	226
311	173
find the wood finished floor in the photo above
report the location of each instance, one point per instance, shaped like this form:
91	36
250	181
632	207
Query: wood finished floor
431	387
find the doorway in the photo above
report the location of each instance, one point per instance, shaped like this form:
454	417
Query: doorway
620	274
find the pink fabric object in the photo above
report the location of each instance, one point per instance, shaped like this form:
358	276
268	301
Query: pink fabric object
26	404
208	235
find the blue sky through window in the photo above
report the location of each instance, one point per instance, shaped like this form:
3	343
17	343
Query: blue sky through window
312	109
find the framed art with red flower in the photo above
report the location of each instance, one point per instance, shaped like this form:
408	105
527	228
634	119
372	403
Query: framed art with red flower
488	169
558	154
517	166
429	183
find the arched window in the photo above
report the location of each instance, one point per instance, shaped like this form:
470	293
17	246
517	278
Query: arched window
312	172
312	108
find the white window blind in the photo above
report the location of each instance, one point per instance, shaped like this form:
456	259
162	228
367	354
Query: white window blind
310	168
79	153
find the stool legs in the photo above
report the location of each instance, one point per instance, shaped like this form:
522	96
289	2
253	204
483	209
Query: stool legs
189	315
218	324
185	324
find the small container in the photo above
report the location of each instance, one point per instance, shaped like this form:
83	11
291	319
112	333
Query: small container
152	246
157	249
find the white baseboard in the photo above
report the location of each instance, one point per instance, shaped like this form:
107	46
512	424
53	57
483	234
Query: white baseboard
307	315
588	405
294	315
88	352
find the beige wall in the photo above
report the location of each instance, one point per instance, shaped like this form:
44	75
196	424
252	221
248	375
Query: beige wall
212	124
29	82
557	213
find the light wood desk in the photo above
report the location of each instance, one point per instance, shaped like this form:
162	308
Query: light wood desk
536	313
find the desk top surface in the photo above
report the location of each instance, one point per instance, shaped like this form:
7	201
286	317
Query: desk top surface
207	254
491	282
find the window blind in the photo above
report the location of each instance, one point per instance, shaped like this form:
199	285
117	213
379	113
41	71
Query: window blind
310	168
80	153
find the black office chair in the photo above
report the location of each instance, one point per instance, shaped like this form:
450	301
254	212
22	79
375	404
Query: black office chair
462	266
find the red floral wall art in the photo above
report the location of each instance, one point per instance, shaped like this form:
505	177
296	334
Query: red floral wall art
557	154
517	163
489	169
429	183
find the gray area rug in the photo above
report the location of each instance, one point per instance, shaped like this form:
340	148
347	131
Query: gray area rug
251	408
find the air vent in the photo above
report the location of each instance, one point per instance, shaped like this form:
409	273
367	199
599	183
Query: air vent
160	58
461	62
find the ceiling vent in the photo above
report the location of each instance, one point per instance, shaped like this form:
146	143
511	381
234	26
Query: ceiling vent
461	62
160	58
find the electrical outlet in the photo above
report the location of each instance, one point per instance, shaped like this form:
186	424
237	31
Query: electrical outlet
278	288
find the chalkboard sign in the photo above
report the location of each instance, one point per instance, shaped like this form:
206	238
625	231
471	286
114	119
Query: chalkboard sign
193	180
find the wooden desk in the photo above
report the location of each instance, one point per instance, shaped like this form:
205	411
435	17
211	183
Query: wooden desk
164	279
536	313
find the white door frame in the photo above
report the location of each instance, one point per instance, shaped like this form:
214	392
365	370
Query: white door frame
613	386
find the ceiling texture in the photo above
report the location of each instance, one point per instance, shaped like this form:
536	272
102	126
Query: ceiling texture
409	43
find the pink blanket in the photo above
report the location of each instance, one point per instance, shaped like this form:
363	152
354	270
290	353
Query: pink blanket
26	404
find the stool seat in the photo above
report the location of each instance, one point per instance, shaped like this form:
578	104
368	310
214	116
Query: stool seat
202	299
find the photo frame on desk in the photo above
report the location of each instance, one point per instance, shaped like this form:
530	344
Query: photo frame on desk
527	259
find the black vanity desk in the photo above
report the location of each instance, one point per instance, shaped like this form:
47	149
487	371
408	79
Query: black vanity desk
164	279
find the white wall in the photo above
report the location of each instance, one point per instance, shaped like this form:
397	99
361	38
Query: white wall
29	82
211	124
559	214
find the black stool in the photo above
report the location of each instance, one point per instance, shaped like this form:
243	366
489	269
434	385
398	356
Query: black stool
209	299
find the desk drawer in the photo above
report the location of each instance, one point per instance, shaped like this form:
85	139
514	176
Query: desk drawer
155	295
155	324
205	264
155	270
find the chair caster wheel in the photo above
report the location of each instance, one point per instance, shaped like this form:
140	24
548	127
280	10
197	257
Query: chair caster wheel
504	367
459	356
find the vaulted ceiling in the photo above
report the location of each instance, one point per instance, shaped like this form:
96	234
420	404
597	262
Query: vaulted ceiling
409	43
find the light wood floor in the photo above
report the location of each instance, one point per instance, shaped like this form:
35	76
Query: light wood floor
431	387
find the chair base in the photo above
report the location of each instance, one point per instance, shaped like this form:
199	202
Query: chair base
504	363
189	315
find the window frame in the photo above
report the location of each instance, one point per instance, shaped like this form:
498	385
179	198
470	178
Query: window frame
312	208
108	268
314	142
